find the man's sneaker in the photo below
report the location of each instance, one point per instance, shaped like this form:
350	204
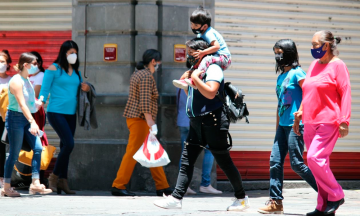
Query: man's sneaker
180	84
239	204
210	190
189	191
272	206
168	202
191	83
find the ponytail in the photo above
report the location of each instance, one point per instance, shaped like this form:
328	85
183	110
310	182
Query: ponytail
148	56
140	65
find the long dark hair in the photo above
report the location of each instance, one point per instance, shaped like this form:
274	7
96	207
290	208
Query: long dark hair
148	56
61	60
24	58
7	57
39	60
290	55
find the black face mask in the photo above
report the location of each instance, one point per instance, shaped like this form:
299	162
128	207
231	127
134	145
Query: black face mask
280	59
197	31
191	60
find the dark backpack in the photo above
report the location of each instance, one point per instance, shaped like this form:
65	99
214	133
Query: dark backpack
233	100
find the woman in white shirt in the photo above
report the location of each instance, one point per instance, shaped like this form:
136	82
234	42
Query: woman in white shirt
5	61
37	78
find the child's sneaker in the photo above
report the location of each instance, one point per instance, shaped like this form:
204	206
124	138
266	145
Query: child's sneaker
168	202
239	204
180	84
191	83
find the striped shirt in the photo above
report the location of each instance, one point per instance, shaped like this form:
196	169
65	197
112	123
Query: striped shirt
143	95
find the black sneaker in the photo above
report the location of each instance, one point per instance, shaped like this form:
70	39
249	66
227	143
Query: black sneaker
333	206
121	192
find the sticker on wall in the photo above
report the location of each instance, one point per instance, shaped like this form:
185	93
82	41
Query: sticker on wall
110	52
179	53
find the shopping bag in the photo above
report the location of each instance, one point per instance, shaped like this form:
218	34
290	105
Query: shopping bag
46	157
151	153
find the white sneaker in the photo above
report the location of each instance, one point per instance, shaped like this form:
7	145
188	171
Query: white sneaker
189	191
168	202
239	204
210	190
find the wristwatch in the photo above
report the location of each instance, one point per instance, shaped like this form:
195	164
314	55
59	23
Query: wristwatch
31	120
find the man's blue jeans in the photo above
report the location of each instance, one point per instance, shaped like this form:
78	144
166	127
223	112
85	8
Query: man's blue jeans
287	141
18	126
208	160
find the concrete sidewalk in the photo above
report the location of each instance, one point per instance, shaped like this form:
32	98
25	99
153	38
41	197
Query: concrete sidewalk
297	202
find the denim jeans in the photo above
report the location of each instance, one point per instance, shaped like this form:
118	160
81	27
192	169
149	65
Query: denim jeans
212	130
208	159
18	128
287	141
64	125
2	150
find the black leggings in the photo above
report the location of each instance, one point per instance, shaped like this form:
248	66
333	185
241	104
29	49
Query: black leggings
2	150
64	125
208	130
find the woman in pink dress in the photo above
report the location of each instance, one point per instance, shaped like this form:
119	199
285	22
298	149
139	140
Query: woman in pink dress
325	112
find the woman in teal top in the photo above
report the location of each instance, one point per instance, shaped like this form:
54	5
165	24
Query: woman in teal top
289	94
20	123
62	80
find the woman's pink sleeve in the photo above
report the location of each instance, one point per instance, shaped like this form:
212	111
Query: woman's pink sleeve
344	90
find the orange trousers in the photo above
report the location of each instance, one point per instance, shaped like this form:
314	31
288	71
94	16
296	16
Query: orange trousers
138	131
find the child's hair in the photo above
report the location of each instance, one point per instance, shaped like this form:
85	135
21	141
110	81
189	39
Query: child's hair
39	60
201	16
7	57
147	57
197	44
24	58
290	55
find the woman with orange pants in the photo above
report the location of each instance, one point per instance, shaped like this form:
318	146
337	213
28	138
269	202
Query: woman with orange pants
140	112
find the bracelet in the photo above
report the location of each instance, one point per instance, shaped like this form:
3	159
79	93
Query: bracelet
31	121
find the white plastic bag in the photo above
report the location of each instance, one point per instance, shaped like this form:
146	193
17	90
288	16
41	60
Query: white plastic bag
151	153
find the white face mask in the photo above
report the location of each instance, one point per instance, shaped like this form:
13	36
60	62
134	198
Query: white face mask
72	58
3	67
156	67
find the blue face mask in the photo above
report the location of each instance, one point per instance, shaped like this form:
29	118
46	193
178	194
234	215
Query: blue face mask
318	53
33	69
